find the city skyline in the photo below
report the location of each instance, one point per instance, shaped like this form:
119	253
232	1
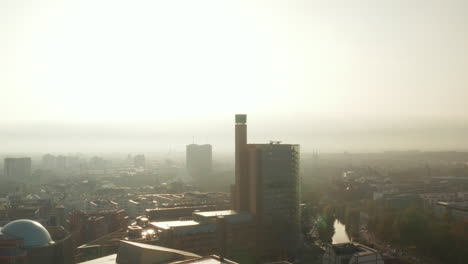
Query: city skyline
241	132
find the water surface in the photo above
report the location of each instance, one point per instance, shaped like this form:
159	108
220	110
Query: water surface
340	235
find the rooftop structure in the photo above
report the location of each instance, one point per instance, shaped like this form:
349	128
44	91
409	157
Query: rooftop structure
224	232
32	233
171	224
165	214
354	253
27	241
183	227
138	253
216	213
230	216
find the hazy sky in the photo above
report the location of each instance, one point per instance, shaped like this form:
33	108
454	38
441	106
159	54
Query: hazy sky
145	74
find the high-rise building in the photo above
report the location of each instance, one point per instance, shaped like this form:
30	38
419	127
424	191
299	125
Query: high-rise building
17	169
199	161
267	185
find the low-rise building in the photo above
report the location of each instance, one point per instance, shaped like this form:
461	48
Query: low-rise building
87	227
226	232
351	253
431	199
459	211
138	253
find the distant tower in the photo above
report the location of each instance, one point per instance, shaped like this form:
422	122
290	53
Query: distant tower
199	160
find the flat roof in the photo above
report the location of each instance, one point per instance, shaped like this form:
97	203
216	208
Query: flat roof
208	260
216	213
275	145
353	248
111	259
178	223
162	249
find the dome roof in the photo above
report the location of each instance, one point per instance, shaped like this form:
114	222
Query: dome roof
33	233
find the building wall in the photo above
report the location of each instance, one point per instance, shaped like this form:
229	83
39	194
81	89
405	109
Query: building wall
368	259
279	200
268	186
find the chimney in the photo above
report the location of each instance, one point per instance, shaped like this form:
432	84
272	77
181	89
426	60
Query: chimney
241	194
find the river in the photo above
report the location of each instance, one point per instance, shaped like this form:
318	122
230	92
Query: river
340	235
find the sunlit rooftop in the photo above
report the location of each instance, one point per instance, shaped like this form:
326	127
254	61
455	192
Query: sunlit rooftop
170	224
216	213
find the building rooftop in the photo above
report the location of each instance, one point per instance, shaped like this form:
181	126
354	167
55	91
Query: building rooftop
353	249
181	227
457	206
231	216
111	259
208	260
138	253
171	224
216	213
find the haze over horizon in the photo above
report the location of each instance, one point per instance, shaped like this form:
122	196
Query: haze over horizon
146	75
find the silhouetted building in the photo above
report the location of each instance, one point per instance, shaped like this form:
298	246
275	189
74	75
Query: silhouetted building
199	161
267	185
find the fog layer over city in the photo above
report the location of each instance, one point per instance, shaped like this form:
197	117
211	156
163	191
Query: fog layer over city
313	135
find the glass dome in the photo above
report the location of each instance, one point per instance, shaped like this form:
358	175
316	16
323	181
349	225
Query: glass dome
32	232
